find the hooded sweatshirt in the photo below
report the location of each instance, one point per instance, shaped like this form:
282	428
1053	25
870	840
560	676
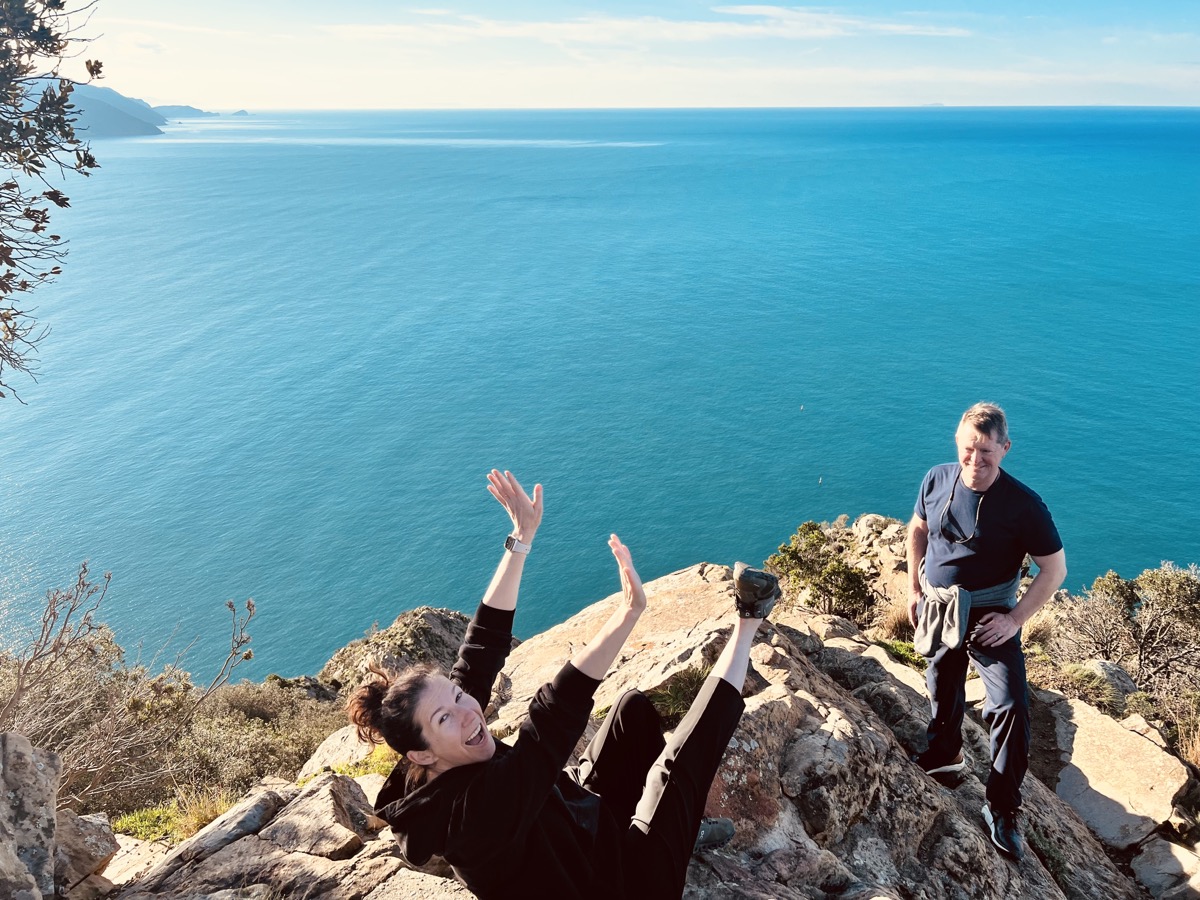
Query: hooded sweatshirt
516	825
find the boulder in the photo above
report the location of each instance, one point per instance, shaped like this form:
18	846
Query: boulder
1167	869
84	845
1116	677
371	785
1137	723
341	748
1123	785
29	785
329	818
410	885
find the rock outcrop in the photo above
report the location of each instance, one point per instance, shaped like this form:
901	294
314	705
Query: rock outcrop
46	852
420	635
29	780
1123	785
817	777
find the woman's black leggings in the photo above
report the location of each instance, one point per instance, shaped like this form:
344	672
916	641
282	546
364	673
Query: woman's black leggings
660	786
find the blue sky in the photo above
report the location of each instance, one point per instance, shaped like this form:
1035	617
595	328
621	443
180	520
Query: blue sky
296	54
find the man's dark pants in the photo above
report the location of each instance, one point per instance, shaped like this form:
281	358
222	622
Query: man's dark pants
1006	709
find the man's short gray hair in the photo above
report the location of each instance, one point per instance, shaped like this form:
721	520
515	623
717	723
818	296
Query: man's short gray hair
987	418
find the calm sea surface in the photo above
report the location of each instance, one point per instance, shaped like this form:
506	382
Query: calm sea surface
286	349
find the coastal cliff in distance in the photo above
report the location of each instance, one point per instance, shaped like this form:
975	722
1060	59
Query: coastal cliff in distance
106	113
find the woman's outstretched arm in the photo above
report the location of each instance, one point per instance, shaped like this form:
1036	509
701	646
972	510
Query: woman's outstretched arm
526	515
596	657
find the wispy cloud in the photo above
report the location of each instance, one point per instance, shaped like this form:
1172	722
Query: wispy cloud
742	23
807	22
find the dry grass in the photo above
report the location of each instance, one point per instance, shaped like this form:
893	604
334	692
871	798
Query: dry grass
198	808
1189	742
1039	630
891	620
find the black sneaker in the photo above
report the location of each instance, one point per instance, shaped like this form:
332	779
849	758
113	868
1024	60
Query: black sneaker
713	833
755	591
1003	829
958	764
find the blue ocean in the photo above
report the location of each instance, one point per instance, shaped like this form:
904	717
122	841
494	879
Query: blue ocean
286	349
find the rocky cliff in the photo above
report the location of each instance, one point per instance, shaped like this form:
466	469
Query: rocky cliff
817	778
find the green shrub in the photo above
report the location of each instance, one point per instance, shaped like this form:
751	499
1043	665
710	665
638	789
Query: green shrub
153	823
249	731
810	562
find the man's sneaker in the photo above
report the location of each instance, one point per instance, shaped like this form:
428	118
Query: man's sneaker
713	833
755	591
1004	832
958	764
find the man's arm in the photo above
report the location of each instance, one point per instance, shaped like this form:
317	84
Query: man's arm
996	628
918	543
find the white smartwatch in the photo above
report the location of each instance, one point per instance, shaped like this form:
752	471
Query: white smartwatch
511	543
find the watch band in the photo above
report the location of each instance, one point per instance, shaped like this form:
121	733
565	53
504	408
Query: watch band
511	543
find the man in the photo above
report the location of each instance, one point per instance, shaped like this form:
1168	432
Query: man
972	526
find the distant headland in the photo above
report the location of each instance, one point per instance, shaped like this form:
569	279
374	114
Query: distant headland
106	113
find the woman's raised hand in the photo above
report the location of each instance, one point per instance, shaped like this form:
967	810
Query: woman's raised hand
631	582
525	511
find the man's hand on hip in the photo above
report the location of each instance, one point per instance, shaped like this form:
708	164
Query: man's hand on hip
994	629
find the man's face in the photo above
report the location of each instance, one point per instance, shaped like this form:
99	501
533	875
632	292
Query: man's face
979	454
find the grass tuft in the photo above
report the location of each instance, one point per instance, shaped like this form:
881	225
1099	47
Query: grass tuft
903	651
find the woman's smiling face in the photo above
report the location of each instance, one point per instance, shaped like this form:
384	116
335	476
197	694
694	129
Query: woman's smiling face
453	727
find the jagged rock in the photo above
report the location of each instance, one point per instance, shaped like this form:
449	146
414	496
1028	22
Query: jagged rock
247	892
424	634
817	779
823	795
252	860
1168	869
329	818
828	627
1116	677
1122	785
84	845
867	526
29	785
246	818
340	748
16	880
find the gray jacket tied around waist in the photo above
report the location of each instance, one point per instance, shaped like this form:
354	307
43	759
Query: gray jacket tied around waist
942	615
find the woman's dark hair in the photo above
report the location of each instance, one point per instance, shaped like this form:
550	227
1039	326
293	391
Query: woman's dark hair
384	711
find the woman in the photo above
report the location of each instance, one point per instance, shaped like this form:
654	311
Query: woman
510	820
